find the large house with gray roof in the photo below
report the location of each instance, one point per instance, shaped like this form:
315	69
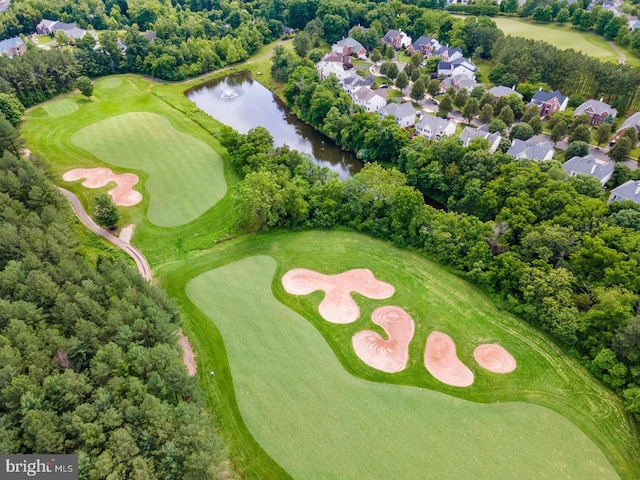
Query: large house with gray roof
403	113
469	133
629	190
12	47
549	103
589	165
425	45
632	122
531	150
50	27
370	100
597	110
434	128
397	39
500	91
349	46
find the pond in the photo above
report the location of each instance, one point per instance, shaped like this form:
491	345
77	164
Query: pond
242	103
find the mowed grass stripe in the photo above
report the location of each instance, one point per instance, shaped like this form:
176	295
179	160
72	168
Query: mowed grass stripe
318	421
563	37
185	175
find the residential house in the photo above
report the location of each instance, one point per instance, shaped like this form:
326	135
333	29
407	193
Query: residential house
449	54
632	122
589	165
353	82
597	110
500	91
12	47
549	103
531	150
403	113
425	45
357	27
469	133
49	27
434	128
349	46
4	5
629	190
458	82
370	100
332	64
151	36
458	66
397	39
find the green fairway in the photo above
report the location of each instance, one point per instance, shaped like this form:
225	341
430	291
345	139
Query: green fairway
318	421
182	183
563	37
292	392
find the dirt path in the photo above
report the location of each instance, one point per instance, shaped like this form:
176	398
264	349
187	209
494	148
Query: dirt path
622	58
138	257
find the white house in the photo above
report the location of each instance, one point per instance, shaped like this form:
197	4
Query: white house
370	100
403	113
352	82
589	165
434	128
449	54
331	64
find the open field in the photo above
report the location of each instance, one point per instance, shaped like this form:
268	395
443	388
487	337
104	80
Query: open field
564	37
282	373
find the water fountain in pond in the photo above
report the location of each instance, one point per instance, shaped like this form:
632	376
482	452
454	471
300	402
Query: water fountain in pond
229	93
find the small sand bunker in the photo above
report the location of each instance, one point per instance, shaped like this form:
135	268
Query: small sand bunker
442	362
188	358
123	194
337	305
494	358
389	355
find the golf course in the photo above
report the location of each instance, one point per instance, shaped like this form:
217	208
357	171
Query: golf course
284	386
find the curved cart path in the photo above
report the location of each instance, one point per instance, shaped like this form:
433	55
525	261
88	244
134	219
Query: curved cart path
138	257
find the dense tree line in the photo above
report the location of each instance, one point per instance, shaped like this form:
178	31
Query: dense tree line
522	60
89	361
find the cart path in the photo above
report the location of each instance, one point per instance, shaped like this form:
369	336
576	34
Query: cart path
133	252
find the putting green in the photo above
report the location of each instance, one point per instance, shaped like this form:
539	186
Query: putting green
61	108
107	83
185	176
318	421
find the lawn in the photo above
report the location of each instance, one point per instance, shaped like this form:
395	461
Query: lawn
563	37
295	390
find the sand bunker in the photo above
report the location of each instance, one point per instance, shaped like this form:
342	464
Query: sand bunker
337	305
389	355
188	358
494	358
123	194
442	362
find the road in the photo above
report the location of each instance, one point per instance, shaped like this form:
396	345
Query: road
133	252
